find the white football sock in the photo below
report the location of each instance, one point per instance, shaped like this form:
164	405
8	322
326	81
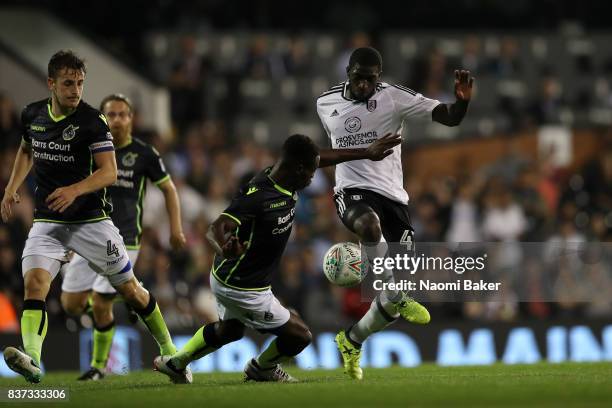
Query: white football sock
380	251
380	315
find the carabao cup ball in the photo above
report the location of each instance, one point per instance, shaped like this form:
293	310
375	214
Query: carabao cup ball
342	264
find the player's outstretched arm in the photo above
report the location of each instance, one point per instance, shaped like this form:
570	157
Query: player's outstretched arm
222	237
104	176
177	238
377	151
21	168
453	114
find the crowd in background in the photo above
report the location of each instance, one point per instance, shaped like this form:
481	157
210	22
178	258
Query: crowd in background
231	63
524	80
513	200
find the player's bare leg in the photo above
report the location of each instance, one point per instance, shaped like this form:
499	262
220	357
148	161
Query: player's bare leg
75	303
391	303
292	337
145	305
206	340
103	333
386	307
34	324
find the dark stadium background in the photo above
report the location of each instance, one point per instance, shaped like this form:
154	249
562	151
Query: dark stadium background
242	75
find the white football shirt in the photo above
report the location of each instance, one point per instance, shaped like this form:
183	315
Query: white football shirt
352	124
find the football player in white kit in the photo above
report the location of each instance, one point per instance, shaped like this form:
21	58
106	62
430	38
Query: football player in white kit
369	195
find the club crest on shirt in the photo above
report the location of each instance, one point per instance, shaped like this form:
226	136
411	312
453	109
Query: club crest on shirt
129	159
70	132
352	124
371	105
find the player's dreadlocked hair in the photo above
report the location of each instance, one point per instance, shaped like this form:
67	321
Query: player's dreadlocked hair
64	59
300	149
119	98
367	57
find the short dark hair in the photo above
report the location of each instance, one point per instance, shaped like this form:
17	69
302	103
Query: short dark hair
116	97
64	59
366	56
299	149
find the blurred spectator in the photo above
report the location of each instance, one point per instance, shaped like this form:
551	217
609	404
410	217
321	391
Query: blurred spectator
426	222
192	206
296	61
504	219
430	76
597	179
323	308
527	190
217	195
186	83
472	58
260	62
10	128
464	225
507	64
289	285
549	107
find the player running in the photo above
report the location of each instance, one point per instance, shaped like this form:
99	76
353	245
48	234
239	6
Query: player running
136	162
69	145
370	197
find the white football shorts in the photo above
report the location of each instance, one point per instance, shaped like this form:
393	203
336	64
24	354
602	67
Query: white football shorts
78	276
99	243
255	309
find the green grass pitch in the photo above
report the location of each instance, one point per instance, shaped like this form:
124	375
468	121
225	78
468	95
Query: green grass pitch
554	385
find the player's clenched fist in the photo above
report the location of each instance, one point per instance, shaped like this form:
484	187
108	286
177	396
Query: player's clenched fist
233	248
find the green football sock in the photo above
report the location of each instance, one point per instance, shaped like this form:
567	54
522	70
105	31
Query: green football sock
102	343
153	319
270	357
194	349
34	323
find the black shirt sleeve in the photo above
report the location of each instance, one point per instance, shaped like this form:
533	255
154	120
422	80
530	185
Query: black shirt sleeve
99	135
245	205
156	170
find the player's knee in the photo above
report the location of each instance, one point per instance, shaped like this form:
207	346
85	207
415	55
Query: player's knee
304	338
297	335
73	305
228	331
37	280
367	226
133	293
292	343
